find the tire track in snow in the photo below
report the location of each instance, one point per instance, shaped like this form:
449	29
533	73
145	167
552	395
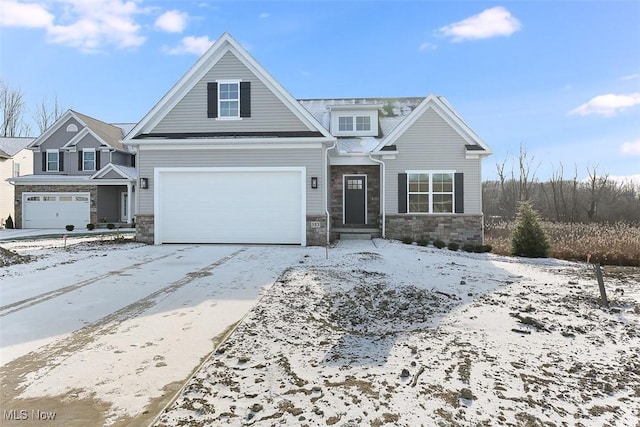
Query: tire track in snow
37	299
38	363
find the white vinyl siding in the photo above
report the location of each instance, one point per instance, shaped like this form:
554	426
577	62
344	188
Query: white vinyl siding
268	113
431	144
309	158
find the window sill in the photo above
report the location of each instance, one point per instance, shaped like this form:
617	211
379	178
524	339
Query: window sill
227	119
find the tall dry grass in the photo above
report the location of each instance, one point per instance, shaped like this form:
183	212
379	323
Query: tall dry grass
610	244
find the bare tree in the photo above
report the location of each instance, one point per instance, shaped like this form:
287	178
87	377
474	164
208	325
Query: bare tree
46	114
12	109
595	186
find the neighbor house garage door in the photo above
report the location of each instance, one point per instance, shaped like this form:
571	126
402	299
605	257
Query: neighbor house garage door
230	205
55	210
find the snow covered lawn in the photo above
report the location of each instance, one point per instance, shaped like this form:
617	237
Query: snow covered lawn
383	333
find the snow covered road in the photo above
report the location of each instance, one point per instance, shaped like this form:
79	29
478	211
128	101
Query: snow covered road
105	333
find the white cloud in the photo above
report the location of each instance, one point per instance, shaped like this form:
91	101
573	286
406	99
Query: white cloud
493	22
30	15
426	46
630	77
631	148
88	25
172	21
607	105
264	15
192	45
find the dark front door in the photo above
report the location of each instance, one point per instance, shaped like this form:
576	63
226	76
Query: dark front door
355	199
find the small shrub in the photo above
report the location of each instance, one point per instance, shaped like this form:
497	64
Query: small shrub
453	246
69	227
439	244
486	248
468	247
423	242
528	239
407	240
111	226
91	226
9	222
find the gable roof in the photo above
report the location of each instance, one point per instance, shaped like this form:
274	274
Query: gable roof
10	146
442	107
222	45
125	172
107	134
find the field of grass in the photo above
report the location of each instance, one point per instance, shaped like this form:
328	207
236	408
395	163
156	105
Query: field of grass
609	244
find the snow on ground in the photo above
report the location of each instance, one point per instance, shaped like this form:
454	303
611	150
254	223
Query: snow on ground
383	333
103	331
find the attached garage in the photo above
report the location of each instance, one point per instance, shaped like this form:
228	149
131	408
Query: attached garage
264	205
55	210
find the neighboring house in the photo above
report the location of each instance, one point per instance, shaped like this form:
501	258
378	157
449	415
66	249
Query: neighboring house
15	160
81	174
229	156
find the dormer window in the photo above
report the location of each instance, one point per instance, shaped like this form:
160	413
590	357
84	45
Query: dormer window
354	120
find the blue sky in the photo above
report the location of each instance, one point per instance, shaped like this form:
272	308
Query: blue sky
562	78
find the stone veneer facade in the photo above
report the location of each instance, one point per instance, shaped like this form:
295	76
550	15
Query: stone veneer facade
144	228
459	228
337	197
91	189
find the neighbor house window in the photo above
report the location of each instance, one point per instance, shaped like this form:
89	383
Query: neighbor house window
229	99
52	160
88	160
430	192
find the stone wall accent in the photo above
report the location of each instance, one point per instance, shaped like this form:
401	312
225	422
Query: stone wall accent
91	189
144	228
460	229
373	192
317	236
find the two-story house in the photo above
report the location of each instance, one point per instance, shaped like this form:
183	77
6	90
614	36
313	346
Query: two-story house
82	173
229	156
15	160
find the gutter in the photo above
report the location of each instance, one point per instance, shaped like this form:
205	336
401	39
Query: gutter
326	171
383	195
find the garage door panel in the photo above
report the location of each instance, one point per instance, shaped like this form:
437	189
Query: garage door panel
231	207
55	210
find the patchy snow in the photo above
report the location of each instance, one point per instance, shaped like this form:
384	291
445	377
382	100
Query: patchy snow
379	333
387	333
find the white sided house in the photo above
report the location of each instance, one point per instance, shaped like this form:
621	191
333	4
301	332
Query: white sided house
229	156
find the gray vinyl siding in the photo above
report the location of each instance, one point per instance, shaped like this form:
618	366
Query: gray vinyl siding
311	159
432	144
55	141
268	113
117	158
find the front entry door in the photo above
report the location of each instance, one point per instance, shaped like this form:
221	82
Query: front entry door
355	199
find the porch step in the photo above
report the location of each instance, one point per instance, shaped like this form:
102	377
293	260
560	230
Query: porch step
363	233
355	236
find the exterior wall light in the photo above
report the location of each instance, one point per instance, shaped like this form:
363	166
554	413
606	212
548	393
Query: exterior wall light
144	183
314	182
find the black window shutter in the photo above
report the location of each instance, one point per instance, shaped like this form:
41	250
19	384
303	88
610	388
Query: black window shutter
133	161
97	160
44	160
458	188
60	160
402	193
212	100
80	161
245	99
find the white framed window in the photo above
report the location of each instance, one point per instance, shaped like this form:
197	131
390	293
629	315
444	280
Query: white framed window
16	169
430	191
53	160
229	99
89	159
363	123
72	127
345	124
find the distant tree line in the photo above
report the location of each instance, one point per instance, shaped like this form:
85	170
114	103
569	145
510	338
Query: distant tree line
598	198
12	110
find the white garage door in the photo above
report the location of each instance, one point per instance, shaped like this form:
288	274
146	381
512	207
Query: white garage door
55	210
230	205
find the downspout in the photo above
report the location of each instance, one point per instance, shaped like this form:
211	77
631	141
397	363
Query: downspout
382	196
327	172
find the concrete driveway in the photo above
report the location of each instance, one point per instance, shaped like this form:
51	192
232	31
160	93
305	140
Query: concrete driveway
99	333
